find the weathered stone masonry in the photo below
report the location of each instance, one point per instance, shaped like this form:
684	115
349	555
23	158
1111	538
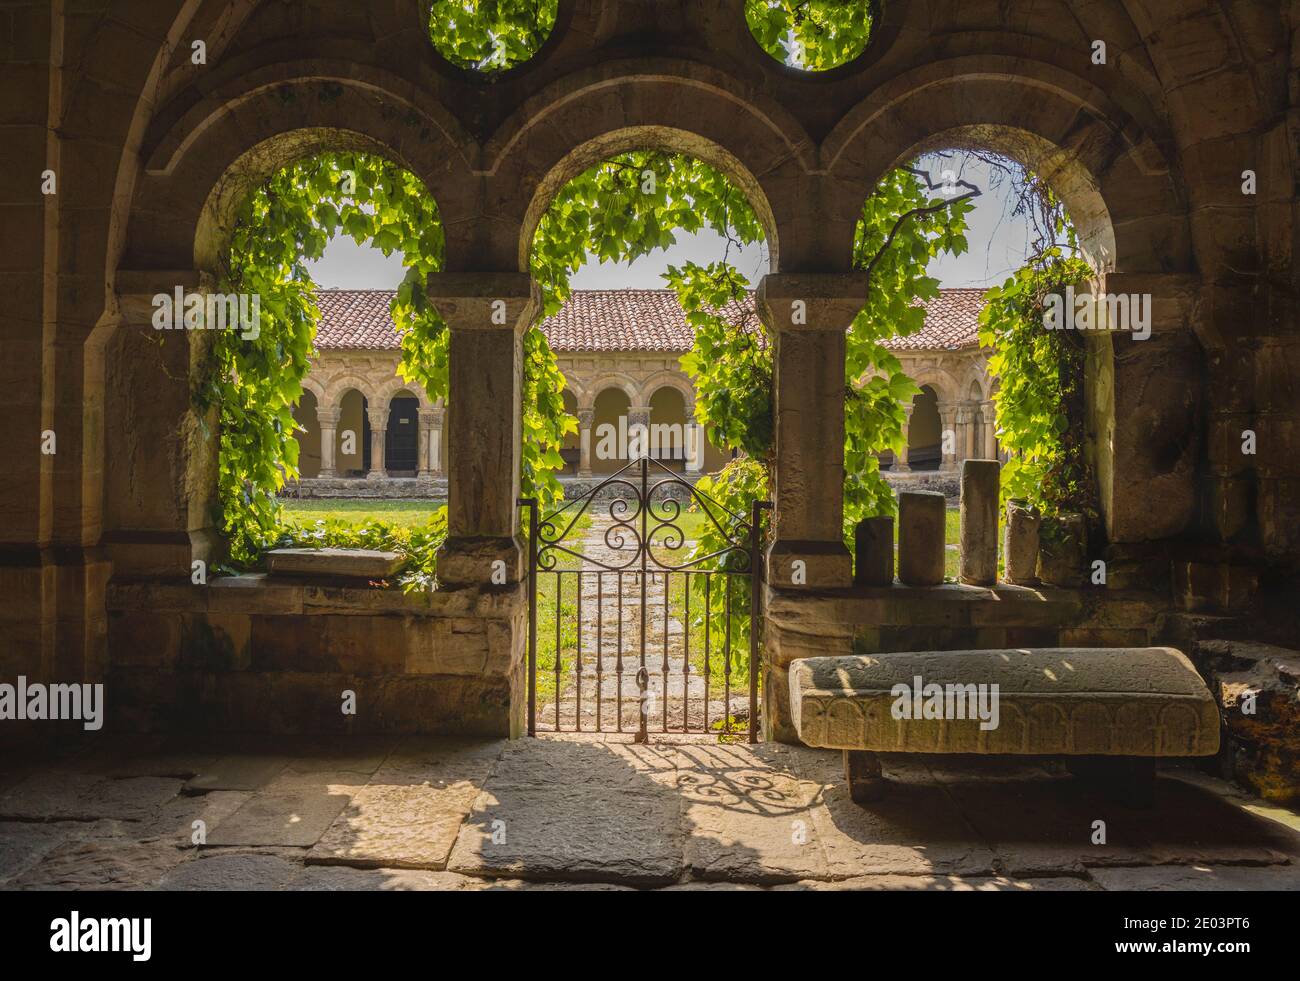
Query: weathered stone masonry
153	153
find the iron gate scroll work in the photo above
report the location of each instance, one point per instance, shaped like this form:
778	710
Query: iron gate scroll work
629	569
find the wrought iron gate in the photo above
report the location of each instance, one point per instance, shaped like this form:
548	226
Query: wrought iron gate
597	665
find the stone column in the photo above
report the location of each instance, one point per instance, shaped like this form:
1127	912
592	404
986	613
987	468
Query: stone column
435	440
327	420
965	432
487	314
159	463
900	464
989	429
693	435
585	419
638	415
921	537
427	445
948	436
807	315
378	419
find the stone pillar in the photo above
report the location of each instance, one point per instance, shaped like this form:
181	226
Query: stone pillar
159	461
979	521
435	440
874	543
378	419
900	458
807	316
948	436
487	314
638	415
965	433
1020	551
694	437
921	537
585	419
989	428
328	420
427	446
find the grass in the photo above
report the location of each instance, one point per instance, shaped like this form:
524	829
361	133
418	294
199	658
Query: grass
403	513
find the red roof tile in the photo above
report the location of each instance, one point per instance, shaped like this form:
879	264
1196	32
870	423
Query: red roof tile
620	320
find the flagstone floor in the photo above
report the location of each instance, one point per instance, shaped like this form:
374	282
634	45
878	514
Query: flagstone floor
559	812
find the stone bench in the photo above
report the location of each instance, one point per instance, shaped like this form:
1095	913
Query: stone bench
1110	711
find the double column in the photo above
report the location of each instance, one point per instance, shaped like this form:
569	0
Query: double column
378	422
487	314
327	420
808	315
431	441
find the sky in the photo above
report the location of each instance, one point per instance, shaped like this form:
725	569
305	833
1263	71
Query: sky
999	244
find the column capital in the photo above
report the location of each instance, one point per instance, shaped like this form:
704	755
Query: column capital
378	418
811	301
431	417
585	418
328	417
484	300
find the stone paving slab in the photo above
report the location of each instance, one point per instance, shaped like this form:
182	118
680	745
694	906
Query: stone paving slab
239	772
1200	878
945	883
60	796
174	823
294	809
745	820
23	845
101	863
573	830
224	872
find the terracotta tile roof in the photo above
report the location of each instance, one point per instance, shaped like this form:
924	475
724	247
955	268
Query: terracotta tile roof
620	320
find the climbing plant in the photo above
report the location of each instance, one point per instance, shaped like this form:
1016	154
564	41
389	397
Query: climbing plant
813	35
490	35
256	382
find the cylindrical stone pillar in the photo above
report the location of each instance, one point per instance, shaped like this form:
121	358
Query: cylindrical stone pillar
948	441
979	522
874	547
328	421
1020	550
585	418
920	537
900	464
378	430
693	436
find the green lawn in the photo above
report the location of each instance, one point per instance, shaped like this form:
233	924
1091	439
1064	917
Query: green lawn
404	513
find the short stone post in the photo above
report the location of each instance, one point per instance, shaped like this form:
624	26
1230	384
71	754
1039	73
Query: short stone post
874	545
921	537
1020	548
979	522
487	314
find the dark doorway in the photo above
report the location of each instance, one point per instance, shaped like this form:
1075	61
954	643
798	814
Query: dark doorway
402	441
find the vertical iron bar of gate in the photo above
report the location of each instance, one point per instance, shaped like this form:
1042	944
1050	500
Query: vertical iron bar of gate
642	676
756	509
531	504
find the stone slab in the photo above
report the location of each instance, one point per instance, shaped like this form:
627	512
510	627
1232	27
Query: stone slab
237	773
55	796
212	873
573	830
348	563
1201	878
945	883
101	863
1052	701
293	810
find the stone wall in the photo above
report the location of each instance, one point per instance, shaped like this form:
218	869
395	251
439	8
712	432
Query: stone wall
255	654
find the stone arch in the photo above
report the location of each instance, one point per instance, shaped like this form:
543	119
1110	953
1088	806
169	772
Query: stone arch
585	118
946	388
396	385
342	384
667	379
1112	175
201	167
611	380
